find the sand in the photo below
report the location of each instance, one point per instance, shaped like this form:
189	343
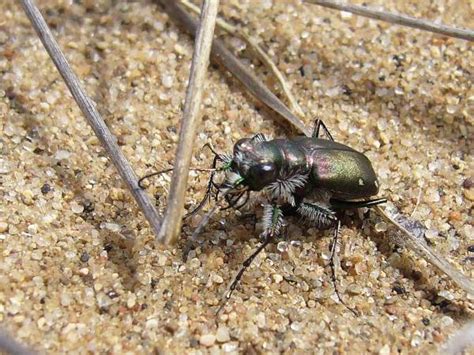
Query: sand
79	268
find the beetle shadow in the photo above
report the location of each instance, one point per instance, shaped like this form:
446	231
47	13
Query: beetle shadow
408	269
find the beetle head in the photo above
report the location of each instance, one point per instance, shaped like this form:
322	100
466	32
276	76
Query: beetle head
254	163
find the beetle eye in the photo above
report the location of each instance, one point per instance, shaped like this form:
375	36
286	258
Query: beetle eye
261	174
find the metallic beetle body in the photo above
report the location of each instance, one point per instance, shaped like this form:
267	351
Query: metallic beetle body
331	166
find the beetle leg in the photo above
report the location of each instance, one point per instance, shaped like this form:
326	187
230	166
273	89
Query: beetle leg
333	266
272	221
344	205
244	267
259	137
272	224
319	216
317	126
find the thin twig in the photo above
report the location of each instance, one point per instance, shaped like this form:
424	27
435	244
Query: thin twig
89	110
202	49
398	19
461	341
429	255
264	57
225	57
11	346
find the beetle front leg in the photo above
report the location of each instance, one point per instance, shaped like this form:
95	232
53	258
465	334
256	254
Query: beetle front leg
272	224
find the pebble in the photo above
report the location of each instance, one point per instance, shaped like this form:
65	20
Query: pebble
3	227
194	263
152	323
207	340
76	207
469	194
230	346
113	227
222	334
62	155
132	300
217	279
277	278
381	227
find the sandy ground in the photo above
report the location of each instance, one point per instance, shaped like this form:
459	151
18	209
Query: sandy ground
79	269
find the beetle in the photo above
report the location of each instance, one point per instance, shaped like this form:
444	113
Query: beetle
312	177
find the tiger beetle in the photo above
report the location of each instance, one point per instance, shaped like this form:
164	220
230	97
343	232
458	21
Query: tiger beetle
311	177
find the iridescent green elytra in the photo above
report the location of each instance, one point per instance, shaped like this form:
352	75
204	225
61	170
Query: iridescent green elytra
335	167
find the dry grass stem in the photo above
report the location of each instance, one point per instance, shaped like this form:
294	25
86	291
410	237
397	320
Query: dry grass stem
420	248
202	49
398	19
223	56
90	111
461	341
264	57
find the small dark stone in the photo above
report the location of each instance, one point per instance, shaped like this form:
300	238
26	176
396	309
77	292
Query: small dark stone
456	167
426	321
45	189
468	183
85	257
108	247
112	294
168	305
194	343
301	69
398	59
346	90
399	289
470	248
88	206
153	283
382	77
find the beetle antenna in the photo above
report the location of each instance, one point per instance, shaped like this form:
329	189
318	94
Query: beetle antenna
160	172
207	196
239	275
333	267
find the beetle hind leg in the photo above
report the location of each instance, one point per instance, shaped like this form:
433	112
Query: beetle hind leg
332	264
323	217
317	127
344	205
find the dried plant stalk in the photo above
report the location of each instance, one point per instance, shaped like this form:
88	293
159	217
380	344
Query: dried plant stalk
423	250
398	19
202	49
89	110
264	57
